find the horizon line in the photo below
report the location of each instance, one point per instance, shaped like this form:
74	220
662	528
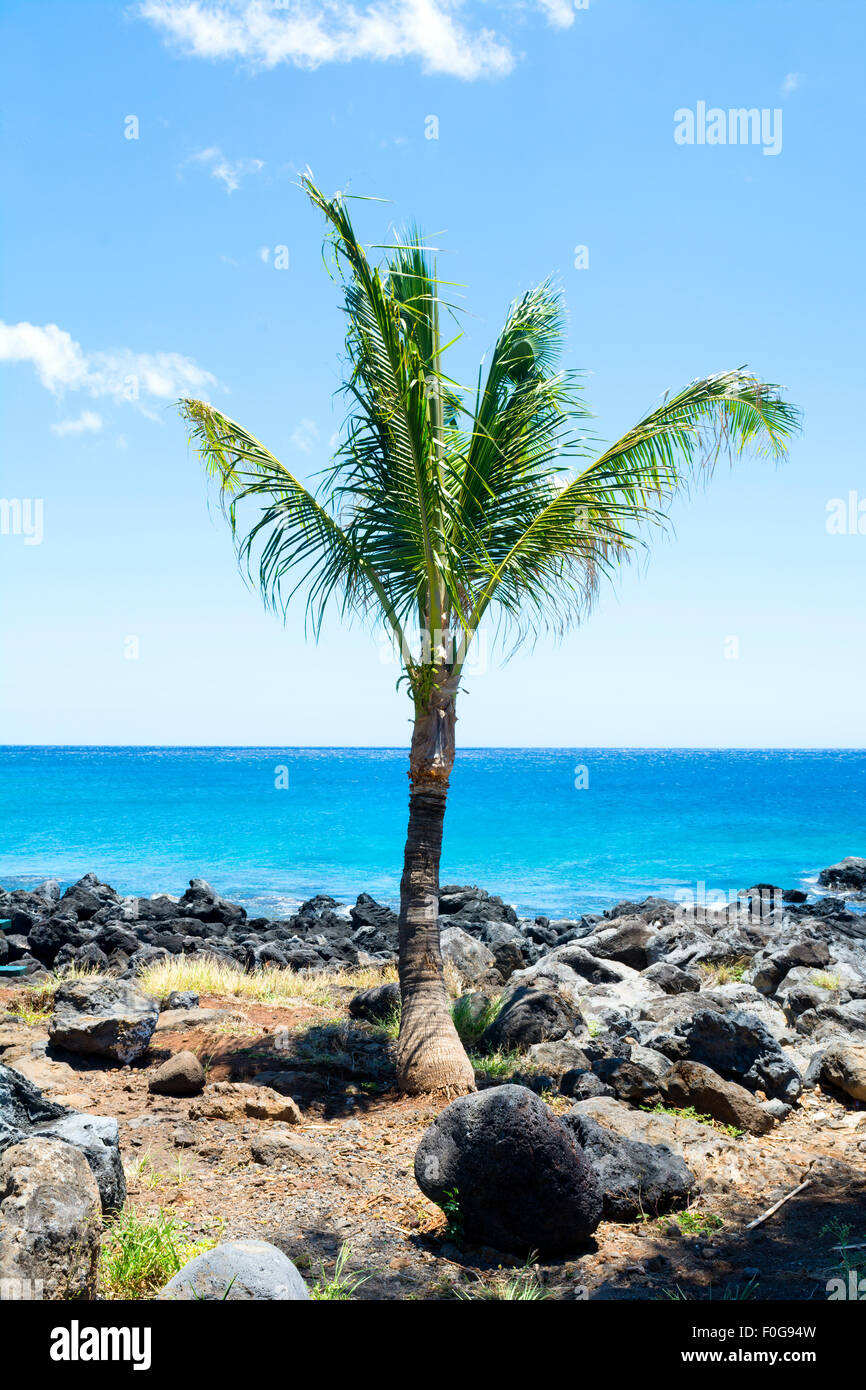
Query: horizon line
466	748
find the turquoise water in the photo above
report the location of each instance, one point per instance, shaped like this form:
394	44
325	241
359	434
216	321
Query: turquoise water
148	819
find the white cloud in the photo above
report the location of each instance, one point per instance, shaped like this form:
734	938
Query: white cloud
227	171
307	33
790	84
88	422
62	365
559	12
305	436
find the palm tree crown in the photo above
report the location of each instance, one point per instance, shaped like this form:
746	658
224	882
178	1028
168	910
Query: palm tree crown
444	508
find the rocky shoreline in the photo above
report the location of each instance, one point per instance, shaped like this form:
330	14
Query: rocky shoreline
625	1063
91	926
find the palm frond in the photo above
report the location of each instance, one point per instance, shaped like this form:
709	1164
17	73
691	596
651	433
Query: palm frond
584	528
299	536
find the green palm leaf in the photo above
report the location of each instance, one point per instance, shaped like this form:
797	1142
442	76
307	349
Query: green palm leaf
442	507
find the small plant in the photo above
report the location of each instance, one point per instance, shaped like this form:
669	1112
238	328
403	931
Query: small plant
523	1286
140	1254
560	1105
145	1174
724	972
698	1223
847	1262
498	1064
453	1216
180	1174
688	1112
29	1014
35	1003
471	1021
390	1025
824	981
341	1286
731	1293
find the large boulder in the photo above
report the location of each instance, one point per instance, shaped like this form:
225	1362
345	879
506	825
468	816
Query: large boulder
697	1143
22	1105
557	1058
237	1100
511	950
625	940
843	1066
738	1046
47	938
103	1018
605	992
50	1221
530	1016
573	972
671	978
201	901
87	897
738	996
473	906
637	1180
849	875
516	1174
770	967
835	1022
629	1080
375	917
96	1137
237	1269
180	1075
690	1085
25	1114
474	962
377	1004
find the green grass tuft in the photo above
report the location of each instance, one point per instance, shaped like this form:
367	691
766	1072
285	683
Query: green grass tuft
341	1287
140	1254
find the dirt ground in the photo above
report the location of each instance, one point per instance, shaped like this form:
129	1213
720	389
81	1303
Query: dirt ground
351	1179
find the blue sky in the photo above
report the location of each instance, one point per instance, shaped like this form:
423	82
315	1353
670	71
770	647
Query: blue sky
139	269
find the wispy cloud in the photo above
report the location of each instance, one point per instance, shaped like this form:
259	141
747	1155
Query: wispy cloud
305	436
61	365
790	83
230	172
561	13
88	422
308	33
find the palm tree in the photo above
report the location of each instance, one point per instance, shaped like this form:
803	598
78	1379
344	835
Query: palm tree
445	510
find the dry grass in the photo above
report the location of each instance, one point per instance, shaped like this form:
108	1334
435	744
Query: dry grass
273	986
824	981
454	981
33	1003
723	972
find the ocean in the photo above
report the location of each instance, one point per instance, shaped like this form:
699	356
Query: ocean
554	831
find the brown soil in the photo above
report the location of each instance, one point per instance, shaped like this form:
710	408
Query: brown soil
354	1184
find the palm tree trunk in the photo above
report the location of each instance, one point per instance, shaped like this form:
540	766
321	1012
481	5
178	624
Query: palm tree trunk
430	1055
